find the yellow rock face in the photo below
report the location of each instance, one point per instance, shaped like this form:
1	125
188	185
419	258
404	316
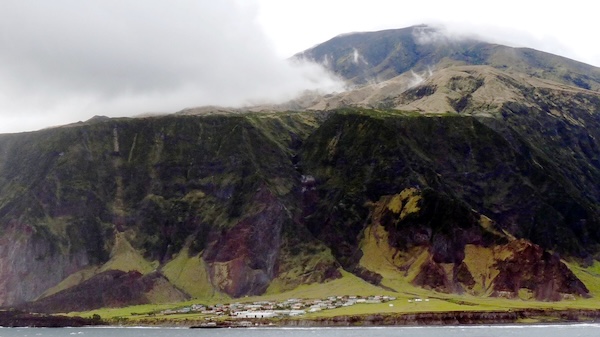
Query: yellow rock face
378	254
501	267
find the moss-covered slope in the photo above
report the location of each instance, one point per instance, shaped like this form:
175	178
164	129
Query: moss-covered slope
463	172
224	187
233	205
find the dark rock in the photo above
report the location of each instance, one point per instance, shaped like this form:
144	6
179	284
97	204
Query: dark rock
14	318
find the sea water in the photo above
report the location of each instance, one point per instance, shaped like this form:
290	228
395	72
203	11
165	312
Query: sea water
553	330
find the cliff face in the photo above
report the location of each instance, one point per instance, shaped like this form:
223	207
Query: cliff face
222	187
167	208
468	253
462	160
31	263
440	197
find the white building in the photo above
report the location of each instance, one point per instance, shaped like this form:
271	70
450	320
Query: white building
254	314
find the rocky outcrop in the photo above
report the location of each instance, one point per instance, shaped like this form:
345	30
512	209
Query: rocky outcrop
449	318
517	270
31	262
475	257
243	260
14	319
540	272
108	289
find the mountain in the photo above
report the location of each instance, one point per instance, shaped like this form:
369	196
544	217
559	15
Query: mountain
452	165
374	57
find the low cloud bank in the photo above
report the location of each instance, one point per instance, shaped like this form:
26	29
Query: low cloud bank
67	60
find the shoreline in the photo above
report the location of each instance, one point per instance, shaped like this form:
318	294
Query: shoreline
449	318
17	319
541	316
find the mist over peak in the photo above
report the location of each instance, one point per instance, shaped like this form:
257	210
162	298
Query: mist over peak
68	60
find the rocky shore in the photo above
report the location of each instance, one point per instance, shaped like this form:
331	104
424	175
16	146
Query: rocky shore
400	319
450	318
13	319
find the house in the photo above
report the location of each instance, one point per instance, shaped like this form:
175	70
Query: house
254	314
198	307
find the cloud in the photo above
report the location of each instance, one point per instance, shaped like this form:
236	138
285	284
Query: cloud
66	60
417	78
556	27
433	34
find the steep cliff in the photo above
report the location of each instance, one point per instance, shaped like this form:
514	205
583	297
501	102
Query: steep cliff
435	200
198	206
133	194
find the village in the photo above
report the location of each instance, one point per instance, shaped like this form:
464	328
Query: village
273	309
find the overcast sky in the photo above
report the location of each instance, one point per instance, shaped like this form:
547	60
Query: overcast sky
63	61
567	28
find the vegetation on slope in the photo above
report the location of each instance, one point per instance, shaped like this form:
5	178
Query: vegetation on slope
236	205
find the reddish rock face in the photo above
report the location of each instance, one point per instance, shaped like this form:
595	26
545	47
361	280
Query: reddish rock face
432	276
526	266
461	251
532	268
242	261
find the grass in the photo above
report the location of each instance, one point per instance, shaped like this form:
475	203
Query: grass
589	276
400	305
190	274
305	263
124	257
71	281
480	260
386	113
379	256
351	285
128	312
348	284
594	269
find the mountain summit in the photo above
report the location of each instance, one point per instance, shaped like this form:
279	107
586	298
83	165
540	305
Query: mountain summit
452	165
374	57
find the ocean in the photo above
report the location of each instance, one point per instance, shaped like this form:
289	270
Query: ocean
553	330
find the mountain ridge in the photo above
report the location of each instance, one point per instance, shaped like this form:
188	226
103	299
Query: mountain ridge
421	47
